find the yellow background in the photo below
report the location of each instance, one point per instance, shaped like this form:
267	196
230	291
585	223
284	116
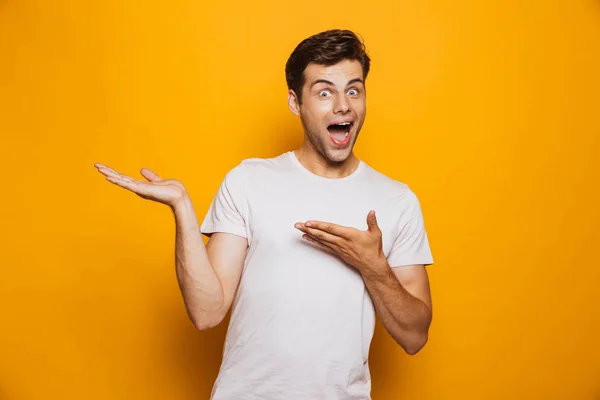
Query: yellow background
489	110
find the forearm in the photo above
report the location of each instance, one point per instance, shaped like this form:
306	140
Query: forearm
199	284
404	316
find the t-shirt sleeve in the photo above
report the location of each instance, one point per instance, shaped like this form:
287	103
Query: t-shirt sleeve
227	212
411	245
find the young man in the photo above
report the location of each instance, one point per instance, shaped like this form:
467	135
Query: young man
308	246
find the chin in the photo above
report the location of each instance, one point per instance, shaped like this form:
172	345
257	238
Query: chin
330	151
338	155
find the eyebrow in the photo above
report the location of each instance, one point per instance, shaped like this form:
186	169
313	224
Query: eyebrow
325	81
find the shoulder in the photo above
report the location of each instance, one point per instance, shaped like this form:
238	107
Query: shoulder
258	163
388	186
397	196
256	167
259	167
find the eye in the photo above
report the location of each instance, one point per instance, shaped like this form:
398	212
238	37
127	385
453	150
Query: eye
324	93
353	92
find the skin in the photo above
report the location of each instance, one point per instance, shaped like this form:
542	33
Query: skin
208	275
343	98
401	295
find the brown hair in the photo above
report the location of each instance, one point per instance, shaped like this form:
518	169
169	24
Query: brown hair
325	48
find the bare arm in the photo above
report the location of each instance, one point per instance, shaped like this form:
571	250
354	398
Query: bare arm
208	276
401	296
402	300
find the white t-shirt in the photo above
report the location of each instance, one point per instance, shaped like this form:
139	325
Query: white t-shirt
302	320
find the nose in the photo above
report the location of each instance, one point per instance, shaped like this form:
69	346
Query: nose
341	106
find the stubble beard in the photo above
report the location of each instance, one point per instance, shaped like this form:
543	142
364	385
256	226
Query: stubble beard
319	143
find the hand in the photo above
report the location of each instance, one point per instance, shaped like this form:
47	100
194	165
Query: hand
361	249
167	191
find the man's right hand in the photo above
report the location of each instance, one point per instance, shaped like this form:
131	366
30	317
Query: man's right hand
208	275
167	191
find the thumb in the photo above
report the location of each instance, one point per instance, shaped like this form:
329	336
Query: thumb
372	221
150	175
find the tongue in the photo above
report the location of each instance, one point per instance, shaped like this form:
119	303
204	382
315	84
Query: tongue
339	136
338	132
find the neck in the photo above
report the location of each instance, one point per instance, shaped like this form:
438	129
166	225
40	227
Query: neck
318	164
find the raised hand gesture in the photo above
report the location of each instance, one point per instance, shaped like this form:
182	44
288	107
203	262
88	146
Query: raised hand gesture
166	191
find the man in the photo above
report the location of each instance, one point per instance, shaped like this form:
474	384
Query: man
308	246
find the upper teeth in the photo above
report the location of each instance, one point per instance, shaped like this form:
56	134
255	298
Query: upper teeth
344	123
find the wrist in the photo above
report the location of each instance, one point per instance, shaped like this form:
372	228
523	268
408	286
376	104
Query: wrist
182	205
376	268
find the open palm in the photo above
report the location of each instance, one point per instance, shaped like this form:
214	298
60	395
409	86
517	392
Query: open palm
166	191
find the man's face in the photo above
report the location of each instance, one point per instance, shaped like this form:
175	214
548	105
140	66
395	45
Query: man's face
333	107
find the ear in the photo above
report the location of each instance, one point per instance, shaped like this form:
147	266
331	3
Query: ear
293	102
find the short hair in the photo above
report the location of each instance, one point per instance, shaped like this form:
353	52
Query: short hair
324	48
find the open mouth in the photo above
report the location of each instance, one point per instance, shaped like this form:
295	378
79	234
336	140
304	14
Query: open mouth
340	133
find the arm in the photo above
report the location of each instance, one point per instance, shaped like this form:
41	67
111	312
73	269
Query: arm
401	296
402	300
208	276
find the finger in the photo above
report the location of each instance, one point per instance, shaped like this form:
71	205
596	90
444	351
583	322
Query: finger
372	221
150	175
322	235
333	229
322	243
134	186
316	232
105	167
111	172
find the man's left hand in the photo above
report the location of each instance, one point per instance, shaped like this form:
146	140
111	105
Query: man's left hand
361	249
